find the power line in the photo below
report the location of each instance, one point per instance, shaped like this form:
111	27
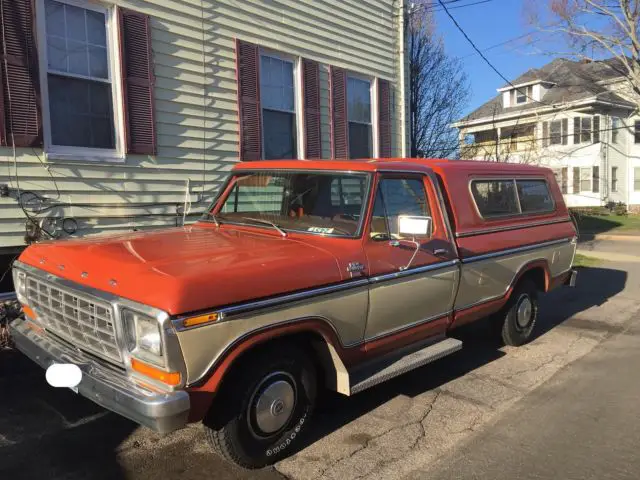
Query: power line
522	91
437	8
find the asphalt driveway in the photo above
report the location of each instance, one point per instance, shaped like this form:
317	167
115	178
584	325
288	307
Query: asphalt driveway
391	431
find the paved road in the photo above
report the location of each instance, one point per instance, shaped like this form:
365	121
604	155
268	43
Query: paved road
582	424
391	431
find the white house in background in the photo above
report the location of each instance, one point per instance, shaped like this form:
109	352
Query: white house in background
579	118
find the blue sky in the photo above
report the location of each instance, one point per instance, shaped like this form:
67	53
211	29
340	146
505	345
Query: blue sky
489	24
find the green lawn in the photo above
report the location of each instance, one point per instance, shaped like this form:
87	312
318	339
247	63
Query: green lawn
585	261
608	223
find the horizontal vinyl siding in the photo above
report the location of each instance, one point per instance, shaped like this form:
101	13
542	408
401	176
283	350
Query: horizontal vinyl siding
196	107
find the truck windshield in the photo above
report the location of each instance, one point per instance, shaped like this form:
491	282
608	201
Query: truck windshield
321	203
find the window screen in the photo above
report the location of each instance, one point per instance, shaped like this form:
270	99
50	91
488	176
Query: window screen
359	116
278	107
495	197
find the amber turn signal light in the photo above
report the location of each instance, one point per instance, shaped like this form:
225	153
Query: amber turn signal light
170	378
199	320
29	312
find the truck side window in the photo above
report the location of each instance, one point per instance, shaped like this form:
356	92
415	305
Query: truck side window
495	198
534	196
395	197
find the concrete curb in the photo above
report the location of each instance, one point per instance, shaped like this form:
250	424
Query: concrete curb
587	237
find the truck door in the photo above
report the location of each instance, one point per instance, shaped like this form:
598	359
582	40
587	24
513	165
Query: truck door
413	279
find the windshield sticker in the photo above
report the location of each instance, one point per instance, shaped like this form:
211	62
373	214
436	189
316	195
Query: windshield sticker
320	230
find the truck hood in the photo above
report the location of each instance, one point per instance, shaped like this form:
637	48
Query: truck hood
187	269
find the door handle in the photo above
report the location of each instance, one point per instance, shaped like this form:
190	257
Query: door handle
438	252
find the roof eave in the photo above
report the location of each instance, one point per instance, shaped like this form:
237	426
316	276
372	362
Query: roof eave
534	111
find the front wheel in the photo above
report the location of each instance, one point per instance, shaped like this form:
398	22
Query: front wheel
521	314
264	408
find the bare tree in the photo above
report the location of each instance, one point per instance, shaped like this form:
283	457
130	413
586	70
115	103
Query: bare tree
609	28
439	89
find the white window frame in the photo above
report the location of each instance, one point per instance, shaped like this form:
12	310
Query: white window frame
297	97
562	133
64	152
614	179
590	176
616	124
373	95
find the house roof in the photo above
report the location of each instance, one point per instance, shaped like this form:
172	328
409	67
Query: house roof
571	81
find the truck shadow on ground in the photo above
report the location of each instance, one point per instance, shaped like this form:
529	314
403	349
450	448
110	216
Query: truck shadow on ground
481	347
56	434
52	433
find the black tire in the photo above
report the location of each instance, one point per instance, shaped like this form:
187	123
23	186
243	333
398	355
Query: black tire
520	314
233	427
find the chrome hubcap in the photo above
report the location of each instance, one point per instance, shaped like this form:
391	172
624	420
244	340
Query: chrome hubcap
274	404
524	312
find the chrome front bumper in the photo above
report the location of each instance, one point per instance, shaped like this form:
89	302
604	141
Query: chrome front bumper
108	387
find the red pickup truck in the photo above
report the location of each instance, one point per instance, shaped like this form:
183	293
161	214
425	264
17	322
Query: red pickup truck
301	275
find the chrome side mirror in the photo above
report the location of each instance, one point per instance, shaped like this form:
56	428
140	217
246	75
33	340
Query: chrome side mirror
412	226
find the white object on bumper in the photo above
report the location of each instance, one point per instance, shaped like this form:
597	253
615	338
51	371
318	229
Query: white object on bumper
65	375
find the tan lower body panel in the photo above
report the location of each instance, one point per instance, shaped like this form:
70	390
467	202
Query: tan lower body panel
344	310
488	279
396	304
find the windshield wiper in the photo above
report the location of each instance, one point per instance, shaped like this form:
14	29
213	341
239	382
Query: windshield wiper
211	216
267	222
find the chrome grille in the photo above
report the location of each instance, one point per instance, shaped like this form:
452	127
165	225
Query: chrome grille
83	321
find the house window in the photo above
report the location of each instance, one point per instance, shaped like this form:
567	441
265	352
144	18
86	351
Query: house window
636	179
359	115
636	131
79	97
277	93
581	130
585	179
522	95
614	179
615	130
555	128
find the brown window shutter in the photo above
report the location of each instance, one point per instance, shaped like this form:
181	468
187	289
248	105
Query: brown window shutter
596	129
576	130
137	82
311	109
339	121
384	118
249	111
21	119
545	134
565	131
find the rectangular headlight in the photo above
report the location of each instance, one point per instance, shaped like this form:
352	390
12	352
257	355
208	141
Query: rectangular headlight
143	336
20	285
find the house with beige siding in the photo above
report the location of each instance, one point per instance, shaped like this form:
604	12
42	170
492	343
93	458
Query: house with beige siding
117	115
579	118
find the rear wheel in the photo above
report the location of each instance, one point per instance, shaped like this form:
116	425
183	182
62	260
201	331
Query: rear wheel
264	408
520	315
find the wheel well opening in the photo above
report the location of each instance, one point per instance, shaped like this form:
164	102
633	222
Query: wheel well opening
538	276
309	343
